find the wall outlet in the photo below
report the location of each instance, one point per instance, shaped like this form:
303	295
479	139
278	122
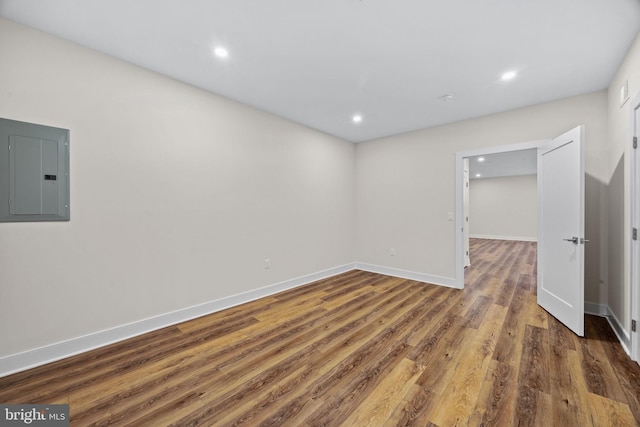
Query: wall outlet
393	252
450	216
267	263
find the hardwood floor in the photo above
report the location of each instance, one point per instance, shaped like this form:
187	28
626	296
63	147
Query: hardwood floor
359	349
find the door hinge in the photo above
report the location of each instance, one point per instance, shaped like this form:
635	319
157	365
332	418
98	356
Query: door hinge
633	326
635	142
634	234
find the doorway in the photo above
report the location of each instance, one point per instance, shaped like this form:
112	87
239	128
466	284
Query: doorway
560	213
503	197
461	161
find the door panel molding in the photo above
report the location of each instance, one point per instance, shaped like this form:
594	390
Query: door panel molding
561	226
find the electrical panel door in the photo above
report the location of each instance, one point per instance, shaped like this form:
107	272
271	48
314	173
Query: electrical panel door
34	166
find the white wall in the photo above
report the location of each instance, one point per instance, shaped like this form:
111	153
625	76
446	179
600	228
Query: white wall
177	196
619	290
405	185
504	207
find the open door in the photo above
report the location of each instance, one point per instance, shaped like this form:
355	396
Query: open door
561	229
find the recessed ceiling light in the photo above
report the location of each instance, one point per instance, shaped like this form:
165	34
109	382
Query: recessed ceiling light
509	75
221	52
478	175
357	118
481	159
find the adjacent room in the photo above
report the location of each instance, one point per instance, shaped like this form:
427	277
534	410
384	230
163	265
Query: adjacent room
337	213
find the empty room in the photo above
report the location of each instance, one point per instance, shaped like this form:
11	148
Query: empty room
319	213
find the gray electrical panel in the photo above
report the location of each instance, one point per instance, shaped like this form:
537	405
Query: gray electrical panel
34	172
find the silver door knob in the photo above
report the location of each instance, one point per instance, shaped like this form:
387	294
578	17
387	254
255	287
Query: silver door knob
583	240
573	240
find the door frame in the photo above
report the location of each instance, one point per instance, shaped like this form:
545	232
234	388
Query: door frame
466	178
460	156
634	216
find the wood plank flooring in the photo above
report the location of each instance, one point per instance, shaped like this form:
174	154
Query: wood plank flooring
359	349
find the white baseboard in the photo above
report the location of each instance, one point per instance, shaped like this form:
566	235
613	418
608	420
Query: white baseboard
603	310
517	238
404	274
619	330
595	309
50	353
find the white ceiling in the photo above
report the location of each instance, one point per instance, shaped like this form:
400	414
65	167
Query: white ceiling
509	163
318	62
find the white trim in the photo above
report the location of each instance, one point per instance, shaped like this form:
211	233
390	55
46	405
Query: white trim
404	274
503	148
634	217
515	238
50	353
459	279
596	309
603	310
619	330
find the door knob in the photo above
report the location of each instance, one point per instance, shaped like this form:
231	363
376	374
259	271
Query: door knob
573	240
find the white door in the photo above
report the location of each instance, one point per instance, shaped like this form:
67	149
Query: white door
561	229
635	249
465	202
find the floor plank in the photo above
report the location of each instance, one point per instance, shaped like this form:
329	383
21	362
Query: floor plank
359	349
496	401
570	403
